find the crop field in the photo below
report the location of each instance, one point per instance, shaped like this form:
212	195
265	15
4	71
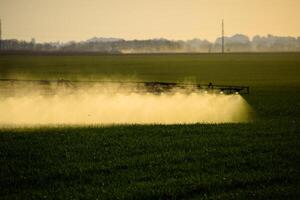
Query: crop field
255	160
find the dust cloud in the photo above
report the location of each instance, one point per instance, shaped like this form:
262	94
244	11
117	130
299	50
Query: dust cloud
97	106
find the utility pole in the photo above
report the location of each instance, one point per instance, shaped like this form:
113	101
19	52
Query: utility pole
0	36
223	36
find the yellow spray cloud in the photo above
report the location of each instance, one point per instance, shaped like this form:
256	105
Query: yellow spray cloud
97	106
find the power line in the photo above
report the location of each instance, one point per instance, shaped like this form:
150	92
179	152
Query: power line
222	35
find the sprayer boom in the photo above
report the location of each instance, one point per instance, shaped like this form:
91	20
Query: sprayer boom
153	87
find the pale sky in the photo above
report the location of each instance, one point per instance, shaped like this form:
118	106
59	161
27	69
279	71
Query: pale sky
65	20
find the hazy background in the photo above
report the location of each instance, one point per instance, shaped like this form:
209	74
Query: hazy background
64	20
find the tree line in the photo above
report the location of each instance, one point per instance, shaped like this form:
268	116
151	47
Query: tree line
235	43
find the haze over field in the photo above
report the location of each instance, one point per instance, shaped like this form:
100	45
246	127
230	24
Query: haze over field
235	43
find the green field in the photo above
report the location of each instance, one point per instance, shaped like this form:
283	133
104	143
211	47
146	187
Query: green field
258	160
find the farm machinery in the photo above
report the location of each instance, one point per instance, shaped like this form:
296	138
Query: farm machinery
151	87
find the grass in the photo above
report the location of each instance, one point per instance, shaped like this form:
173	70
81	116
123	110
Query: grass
246	69
258	160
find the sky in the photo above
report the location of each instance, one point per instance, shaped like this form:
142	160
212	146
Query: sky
65	20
